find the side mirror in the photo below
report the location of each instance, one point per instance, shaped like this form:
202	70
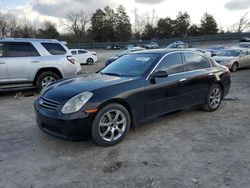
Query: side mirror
159	74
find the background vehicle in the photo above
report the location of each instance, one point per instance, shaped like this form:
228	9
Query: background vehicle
151	45
178	44
128	46
215	49
84	56
245	39
25	63
133	89
244	44
113	47
209	54
234	58
134	49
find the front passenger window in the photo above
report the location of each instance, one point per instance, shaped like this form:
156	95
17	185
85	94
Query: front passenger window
172	63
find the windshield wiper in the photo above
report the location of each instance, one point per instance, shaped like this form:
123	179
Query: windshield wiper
111	74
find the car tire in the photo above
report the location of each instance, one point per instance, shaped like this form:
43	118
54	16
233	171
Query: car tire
90	61
45	78
214	98
234	67
110	125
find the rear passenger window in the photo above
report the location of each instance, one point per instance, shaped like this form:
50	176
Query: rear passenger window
196	61
21	49
172	63
82	52
1	49
54	48
73	52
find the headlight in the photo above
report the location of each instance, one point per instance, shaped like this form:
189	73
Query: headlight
76	103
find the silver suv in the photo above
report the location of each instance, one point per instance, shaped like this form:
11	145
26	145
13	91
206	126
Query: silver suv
26	63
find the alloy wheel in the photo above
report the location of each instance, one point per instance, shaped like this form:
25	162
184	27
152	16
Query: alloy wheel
90	61
47	80
215	97
112	125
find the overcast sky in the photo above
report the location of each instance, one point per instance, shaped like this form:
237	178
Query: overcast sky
226	12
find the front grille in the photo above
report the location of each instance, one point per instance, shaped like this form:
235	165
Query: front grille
48	104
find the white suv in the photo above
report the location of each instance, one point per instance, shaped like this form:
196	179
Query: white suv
26	63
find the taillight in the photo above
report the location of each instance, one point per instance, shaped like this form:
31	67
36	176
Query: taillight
71	59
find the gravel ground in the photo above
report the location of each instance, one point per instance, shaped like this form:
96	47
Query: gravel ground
185	149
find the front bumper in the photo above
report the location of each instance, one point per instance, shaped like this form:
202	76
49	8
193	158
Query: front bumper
65	127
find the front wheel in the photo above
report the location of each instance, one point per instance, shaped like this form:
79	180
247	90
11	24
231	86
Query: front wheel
214	98
234	67
111	125
45	78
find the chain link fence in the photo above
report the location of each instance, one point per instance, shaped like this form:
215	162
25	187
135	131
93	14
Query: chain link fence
165	42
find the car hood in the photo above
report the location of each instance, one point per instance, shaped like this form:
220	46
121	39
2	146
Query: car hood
64	90
223	58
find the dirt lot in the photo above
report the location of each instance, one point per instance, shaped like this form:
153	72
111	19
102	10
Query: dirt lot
185	149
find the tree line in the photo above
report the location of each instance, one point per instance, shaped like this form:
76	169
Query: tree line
114	25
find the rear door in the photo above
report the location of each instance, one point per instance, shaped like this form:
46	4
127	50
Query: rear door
168	94
82	56
201	76
243	59
3	66
21	58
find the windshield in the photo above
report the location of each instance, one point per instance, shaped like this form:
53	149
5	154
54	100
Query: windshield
131	65
229	53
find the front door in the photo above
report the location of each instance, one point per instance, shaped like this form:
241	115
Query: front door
3	66
163	95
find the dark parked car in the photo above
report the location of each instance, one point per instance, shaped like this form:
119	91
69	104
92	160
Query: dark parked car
178	44
113	47
125	52
244	44
245	39
134	89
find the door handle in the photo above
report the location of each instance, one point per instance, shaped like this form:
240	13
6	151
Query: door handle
34	61
2	62
183	80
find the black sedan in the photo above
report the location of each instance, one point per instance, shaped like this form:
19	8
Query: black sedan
132	90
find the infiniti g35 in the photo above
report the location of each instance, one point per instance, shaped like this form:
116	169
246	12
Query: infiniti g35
132	90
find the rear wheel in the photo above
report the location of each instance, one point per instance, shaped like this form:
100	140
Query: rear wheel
234	67
214	98
90	61
45	78
111	125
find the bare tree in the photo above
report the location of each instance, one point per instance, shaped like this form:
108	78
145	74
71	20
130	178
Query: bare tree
77	23
3	26
242	25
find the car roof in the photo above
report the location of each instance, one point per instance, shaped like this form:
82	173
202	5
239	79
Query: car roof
77	49
28	40
235	48
164	51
